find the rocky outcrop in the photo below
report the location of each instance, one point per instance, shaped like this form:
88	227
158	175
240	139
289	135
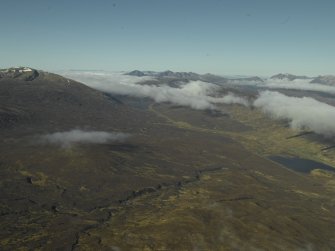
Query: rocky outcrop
22	73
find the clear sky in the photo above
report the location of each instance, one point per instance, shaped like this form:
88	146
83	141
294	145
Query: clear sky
250	37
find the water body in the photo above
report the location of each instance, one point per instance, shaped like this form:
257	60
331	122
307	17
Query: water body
301	165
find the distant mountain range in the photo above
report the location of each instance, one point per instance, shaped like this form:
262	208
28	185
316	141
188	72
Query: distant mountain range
29	74
167	74
326	80
287	76
190	76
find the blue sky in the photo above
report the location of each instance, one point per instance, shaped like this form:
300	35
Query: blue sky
260	37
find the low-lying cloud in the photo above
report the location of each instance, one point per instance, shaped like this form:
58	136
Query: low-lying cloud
68	138
302	113
297	84
230	98
195	94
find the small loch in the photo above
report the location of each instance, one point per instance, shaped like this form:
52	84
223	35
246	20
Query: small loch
301	165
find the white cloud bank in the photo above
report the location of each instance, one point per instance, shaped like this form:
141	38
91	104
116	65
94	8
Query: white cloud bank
297	84
195	94
302	113
66	139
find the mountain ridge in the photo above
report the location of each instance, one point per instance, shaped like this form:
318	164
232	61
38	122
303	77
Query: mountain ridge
208	77
288	76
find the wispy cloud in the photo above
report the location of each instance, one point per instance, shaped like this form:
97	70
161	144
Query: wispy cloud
68	138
